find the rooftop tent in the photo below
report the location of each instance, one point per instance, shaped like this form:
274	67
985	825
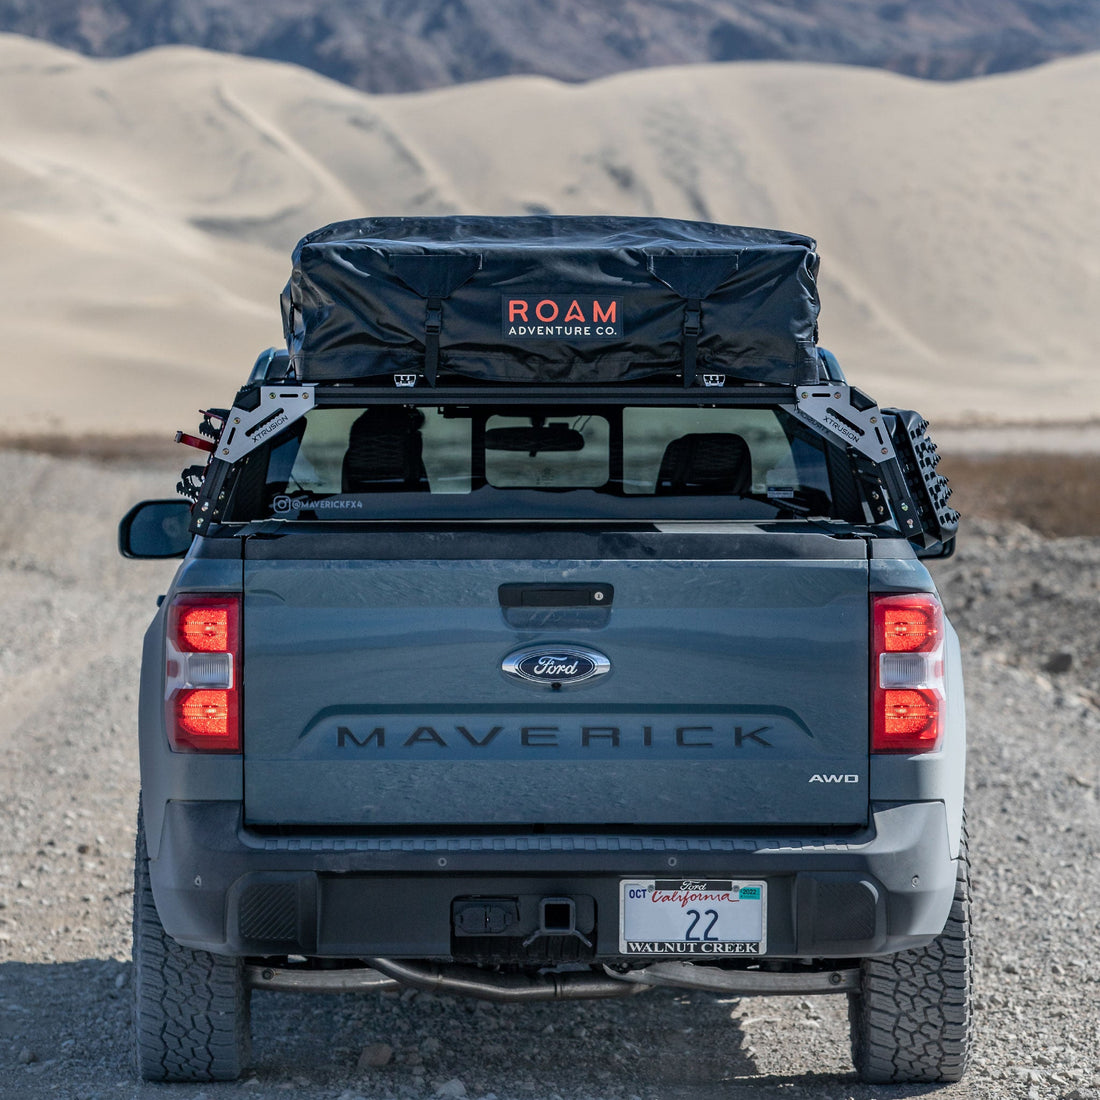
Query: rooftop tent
550	299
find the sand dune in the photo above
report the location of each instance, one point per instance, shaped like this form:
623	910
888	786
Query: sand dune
148	207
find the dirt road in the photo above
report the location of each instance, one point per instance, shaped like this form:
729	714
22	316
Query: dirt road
72	620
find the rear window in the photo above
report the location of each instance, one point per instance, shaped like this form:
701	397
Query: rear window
567	462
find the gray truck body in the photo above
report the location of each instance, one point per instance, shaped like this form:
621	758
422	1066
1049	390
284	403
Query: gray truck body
752	646
539	660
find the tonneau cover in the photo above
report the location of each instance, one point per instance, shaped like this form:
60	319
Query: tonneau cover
552	299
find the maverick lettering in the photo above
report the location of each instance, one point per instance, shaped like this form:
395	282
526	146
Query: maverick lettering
550	737
558	316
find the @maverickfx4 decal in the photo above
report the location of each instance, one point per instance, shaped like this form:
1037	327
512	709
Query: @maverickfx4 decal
283	505
555	667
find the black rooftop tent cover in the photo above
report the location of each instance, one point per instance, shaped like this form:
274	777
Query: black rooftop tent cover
551	299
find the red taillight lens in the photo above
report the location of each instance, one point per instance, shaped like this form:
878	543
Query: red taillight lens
206	721
204	624
202	702
204	629
910	721
909	624
907	673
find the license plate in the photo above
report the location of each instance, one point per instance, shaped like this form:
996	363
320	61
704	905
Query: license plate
692	917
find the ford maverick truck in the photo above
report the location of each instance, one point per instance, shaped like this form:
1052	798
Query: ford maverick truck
552	622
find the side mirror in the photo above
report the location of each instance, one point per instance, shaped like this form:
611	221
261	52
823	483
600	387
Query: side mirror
156	529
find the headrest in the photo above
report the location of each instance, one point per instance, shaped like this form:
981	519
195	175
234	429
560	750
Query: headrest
705	462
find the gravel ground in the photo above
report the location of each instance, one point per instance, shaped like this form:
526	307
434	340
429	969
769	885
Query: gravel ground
73	617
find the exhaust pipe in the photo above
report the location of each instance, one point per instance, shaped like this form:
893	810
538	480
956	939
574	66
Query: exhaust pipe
386	975
468	981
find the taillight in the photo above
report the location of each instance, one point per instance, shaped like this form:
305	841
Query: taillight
205	627
201	695
907	673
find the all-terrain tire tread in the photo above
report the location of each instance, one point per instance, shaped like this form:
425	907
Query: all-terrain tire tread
191	1008
911	1020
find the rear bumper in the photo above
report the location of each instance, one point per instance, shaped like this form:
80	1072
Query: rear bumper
221	888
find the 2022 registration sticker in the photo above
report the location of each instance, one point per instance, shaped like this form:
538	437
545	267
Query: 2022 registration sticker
692	917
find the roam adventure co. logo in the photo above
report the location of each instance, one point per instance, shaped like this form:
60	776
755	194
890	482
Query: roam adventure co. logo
557	317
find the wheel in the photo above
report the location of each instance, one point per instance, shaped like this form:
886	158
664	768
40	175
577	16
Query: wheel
191	1008
910	1020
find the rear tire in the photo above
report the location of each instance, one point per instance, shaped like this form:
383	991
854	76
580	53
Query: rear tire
192	1019
911	1019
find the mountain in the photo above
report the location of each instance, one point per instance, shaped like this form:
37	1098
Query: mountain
408	45
148	207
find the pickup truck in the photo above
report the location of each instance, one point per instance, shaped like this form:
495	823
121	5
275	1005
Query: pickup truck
540	665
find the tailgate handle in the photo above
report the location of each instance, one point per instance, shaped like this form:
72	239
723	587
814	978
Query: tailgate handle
556	595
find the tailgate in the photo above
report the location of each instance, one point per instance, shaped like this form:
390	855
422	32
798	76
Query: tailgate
374	690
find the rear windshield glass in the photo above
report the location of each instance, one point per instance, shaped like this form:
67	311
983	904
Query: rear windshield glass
423	461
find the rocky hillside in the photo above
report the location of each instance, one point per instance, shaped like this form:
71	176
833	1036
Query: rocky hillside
406	45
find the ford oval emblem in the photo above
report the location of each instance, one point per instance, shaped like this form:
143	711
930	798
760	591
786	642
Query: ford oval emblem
555	667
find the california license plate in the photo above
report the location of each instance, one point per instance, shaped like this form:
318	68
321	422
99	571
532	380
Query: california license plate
692	917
